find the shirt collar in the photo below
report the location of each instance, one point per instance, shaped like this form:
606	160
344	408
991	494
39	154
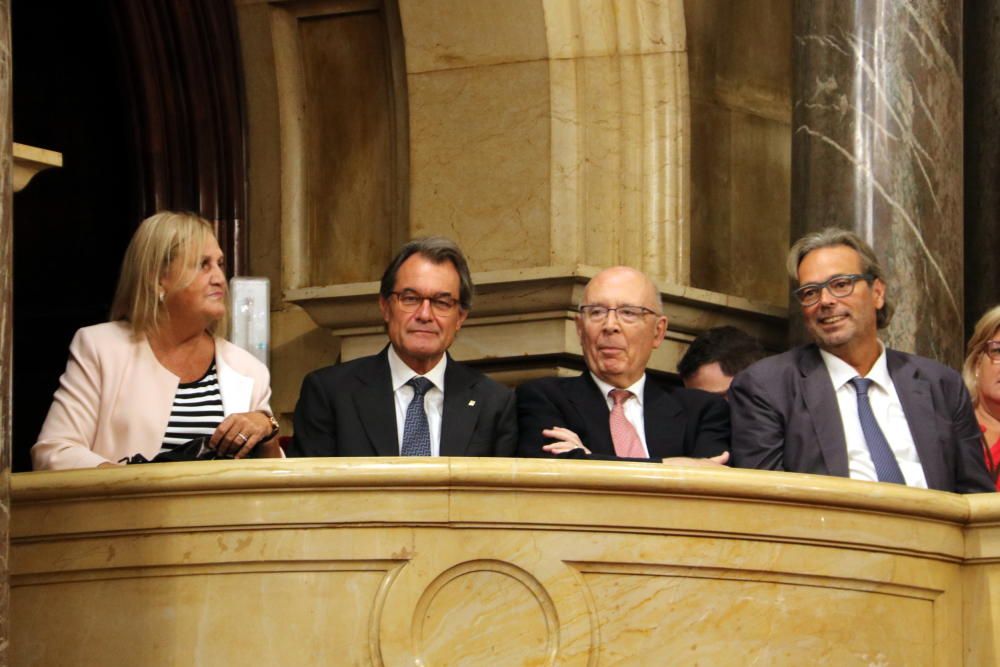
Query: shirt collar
842	372
401	373
636	389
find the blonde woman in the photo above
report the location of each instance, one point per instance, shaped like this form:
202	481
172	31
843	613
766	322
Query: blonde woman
157	375
981	372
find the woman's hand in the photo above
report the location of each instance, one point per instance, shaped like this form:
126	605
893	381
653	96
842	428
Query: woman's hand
240	432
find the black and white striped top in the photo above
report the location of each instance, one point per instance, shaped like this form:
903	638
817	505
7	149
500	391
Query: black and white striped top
197	410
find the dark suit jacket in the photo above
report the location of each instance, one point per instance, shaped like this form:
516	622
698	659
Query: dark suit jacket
786	417
679	422
348	410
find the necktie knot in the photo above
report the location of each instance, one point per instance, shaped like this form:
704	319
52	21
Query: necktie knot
421	385
619	396
861	385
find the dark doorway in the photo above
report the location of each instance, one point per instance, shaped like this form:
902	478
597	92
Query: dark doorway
71	225
144	99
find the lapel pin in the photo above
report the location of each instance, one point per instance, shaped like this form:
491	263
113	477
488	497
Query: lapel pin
471	403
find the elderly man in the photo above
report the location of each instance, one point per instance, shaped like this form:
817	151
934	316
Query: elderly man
412	398
846	405
614	410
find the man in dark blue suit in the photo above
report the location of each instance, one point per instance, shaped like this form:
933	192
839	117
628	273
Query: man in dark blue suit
846	405
615	410
412	398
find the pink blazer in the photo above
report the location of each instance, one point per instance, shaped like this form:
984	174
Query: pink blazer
114	399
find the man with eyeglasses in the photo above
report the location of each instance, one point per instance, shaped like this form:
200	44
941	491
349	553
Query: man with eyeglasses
615	410
846	405
412	398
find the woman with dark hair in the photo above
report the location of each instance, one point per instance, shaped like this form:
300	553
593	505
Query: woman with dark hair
157	375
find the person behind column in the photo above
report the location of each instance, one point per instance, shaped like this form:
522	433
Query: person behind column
412	398
157	375
715	356
845	404
615	410
981	372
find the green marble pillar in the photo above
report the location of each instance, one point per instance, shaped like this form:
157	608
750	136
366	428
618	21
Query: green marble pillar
877	148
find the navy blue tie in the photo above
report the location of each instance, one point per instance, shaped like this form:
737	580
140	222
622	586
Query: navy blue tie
416	432
886	466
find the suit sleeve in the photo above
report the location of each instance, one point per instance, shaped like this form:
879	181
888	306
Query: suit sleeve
971	475
714	430
261	400
758	427
70	428
314	421
505	443
535	412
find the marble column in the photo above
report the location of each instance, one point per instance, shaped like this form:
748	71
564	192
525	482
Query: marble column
6	313
982	158
877	148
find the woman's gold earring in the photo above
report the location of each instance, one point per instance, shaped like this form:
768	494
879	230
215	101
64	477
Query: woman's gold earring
162	294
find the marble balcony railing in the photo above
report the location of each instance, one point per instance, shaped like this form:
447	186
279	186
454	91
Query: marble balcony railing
496	562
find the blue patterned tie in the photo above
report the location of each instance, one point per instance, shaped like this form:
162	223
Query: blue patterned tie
886	466
416	432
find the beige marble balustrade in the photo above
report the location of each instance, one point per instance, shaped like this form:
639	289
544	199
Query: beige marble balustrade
496	562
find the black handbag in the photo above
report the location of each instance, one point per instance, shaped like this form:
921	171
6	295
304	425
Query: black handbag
197	449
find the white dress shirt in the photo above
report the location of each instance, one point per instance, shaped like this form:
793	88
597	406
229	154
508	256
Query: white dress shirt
888	413
632	406
403	393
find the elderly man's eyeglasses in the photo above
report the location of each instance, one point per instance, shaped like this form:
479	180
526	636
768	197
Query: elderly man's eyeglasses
626	314
992	350
839	286
411	301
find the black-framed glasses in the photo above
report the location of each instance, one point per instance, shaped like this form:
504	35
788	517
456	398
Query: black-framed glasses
626	314
839	286
992	350
410	301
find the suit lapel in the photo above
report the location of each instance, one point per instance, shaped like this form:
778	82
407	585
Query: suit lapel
149	390
593	410
374	403
665	422
824	411
918	407
235	389
461	409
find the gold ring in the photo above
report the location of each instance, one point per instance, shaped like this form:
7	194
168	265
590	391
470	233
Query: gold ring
242	435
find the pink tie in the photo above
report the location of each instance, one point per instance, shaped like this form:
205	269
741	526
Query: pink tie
623	434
